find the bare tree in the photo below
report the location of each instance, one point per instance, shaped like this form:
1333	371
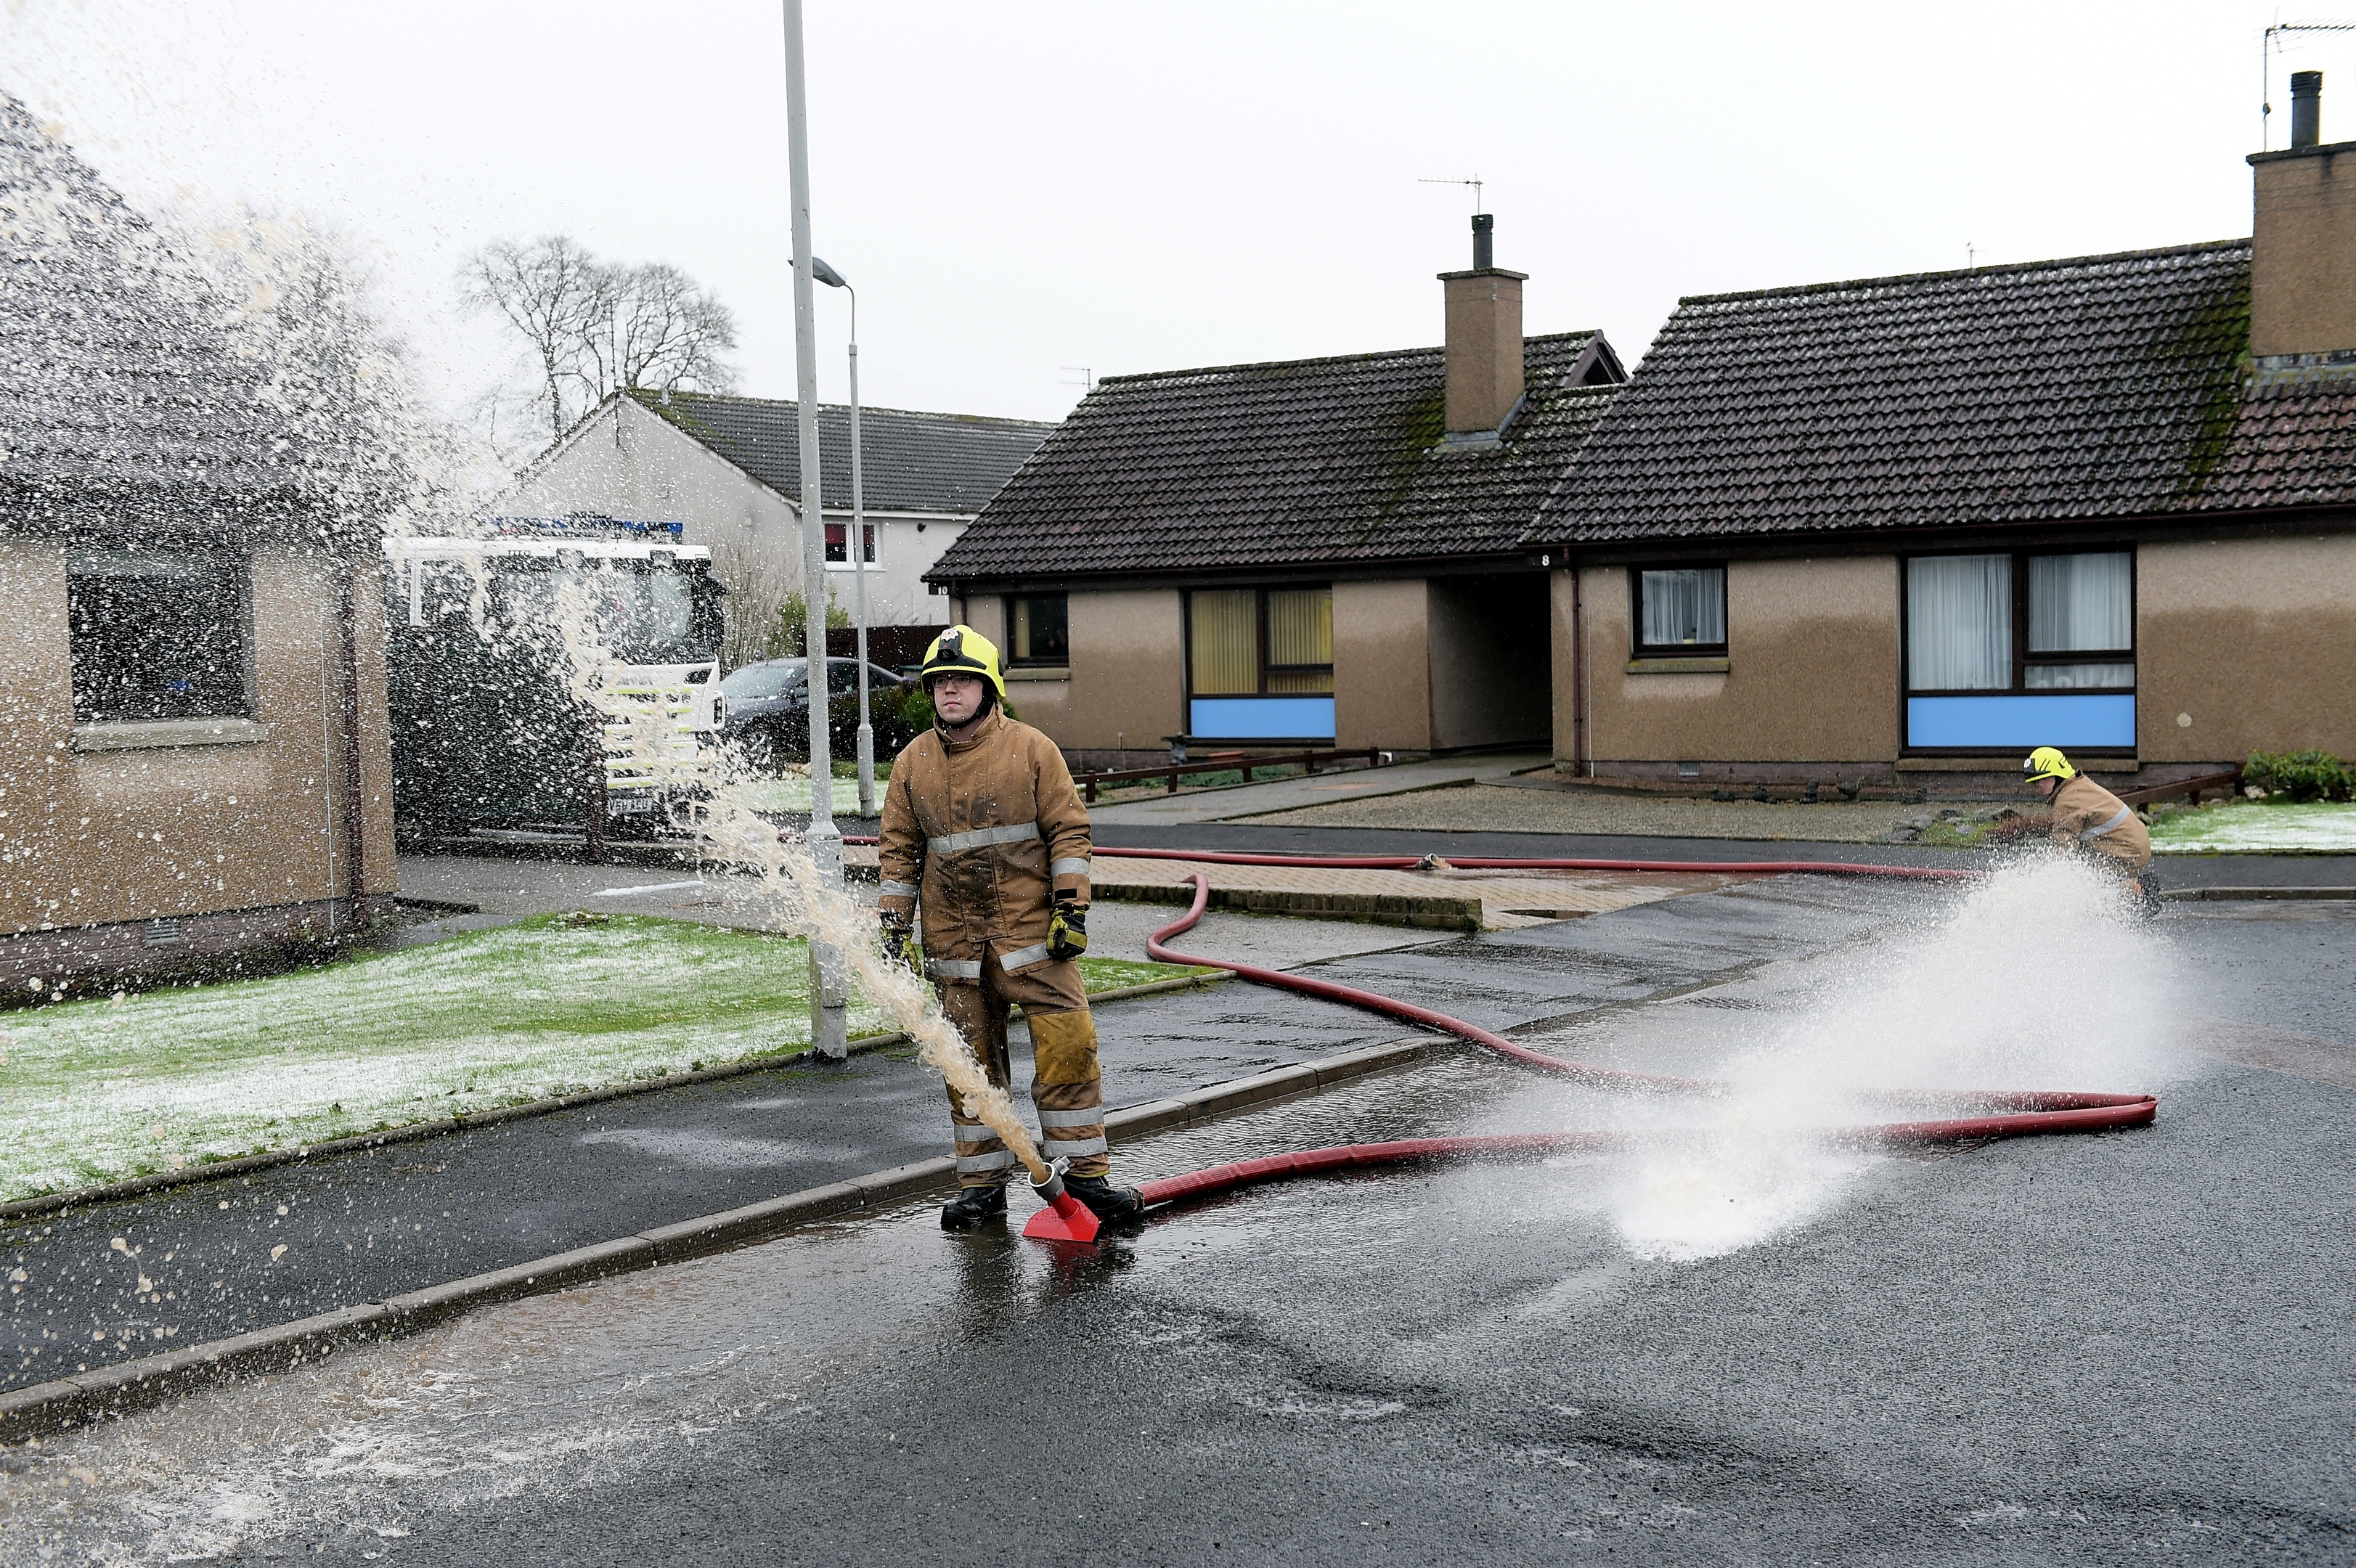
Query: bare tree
553	294
666	332
594	327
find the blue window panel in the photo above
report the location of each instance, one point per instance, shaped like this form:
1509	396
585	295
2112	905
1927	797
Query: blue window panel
2020	723
1261	718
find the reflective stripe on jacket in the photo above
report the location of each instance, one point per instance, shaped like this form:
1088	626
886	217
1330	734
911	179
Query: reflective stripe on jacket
982	833
2088	816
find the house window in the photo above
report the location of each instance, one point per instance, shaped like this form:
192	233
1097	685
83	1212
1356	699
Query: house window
838	542
156	634
1252	642
2007	648
2081	622
1039	630
1260	665
1680	610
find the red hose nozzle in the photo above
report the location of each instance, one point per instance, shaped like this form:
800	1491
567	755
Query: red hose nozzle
1065	1217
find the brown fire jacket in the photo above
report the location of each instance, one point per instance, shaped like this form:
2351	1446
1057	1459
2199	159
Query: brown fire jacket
983	833
2088	816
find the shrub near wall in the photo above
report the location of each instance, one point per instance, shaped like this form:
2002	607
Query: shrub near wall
2299	775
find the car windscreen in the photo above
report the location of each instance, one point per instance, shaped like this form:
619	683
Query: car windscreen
641	614
759	682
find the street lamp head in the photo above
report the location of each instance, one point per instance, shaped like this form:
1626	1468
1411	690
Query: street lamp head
826	274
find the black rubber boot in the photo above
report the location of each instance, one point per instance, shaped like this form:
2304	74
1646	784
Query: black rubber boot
973	1207
1108	1203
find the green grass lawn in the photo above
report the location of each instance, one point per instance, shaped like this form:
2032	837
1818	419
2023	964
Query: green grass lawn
2256	827
97	1091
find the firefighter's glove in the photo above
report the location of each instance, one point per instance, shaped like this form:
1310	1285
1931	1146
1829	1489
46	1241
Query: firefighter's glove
900	942
1067	932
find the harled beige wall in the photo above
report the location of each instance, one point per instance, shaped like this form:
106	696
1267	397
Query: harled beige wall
1382	665
1127	684
1812	676
100	836
2249	639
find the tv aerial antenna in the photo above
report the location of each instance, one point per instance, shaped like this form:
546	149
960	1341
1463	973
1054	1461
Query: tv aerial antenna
1475	182
2269	47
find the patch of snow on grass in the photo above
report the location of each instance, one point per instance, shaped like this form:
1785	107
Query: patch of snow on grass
792	794
98	1091
2256	827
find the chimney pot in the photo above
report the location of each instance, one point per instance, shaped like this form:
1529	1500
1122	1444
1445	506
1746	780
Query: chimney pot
2305	108
1485	339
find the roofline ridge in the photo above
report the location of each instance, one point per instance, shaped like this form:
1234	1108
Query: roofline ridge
653	394
1796	290
1329	359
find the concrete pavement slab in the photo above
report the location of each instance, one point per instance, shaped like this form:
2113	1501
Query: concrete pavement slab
1253	838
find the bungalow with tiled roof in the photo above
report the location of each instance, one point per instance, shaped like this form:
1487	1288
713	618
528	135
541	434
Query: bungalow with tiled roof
1897	531
1320	552
1907	528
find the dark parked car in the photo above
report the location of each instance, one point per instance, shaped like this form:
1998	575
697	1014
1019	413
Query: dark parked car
769	705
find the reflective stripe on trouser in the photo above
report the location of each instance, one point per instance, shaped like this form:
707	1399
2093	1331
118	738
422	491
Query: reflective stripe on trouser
1064	1041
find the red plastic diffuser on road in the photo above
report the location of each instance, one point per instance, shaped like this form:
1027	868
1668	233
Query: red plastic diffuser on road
1065	1217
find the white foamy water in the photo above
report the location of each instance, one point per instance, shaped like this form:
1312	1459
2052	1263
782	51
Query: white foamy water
2042	977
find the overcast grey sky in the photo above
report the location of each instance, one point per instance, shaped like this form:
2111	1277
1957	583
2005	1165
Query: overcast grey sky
1017	188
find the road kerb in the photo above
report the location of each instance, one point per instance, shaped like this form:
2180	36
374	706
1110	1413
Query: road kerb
85	1397
416	1309
2287	890
733	1228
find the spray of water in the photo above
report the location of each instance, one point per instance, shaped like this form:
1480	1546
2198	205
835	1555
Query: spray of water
2040	977
734	834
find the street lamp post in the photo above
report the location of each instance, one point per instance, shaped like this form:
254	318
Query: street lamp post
858	546
830	987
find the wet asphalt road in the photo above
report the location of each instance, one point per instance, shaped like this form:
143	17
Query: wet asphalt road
2086	1350
2093	1349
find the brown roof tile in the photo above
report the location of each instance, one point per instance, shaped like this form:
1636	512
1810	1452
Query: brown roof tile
2094	388
1292	463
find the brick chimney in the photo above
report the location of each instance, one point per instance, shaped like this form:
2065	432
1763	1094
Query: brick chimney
2303	242
1485	339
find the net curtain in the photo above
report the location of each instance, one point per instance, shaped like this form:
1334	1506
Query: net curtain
1959	622
1686	606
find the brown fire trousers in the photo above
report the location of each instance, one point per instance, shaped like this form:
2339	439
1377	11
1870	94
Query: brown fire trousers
981	835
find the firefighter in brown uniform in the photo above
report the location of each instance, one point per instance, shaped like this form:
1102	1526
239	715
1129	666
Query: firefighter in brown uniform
983	830
2091	820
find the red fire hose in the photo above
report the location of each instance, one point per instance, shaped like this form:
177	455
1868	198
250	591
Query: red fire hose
2018	1114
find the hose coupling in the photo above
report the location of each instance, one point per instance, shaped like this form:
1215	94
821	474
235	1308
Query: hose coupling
1052	1187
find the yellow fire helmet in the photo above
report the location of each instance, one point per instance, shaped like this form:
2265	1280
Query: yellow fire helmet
2047	763
962	650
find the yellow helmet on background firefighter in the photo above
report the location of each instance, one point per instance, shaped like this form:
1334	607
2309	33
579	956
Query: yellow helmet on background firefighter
2047	763
962	650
